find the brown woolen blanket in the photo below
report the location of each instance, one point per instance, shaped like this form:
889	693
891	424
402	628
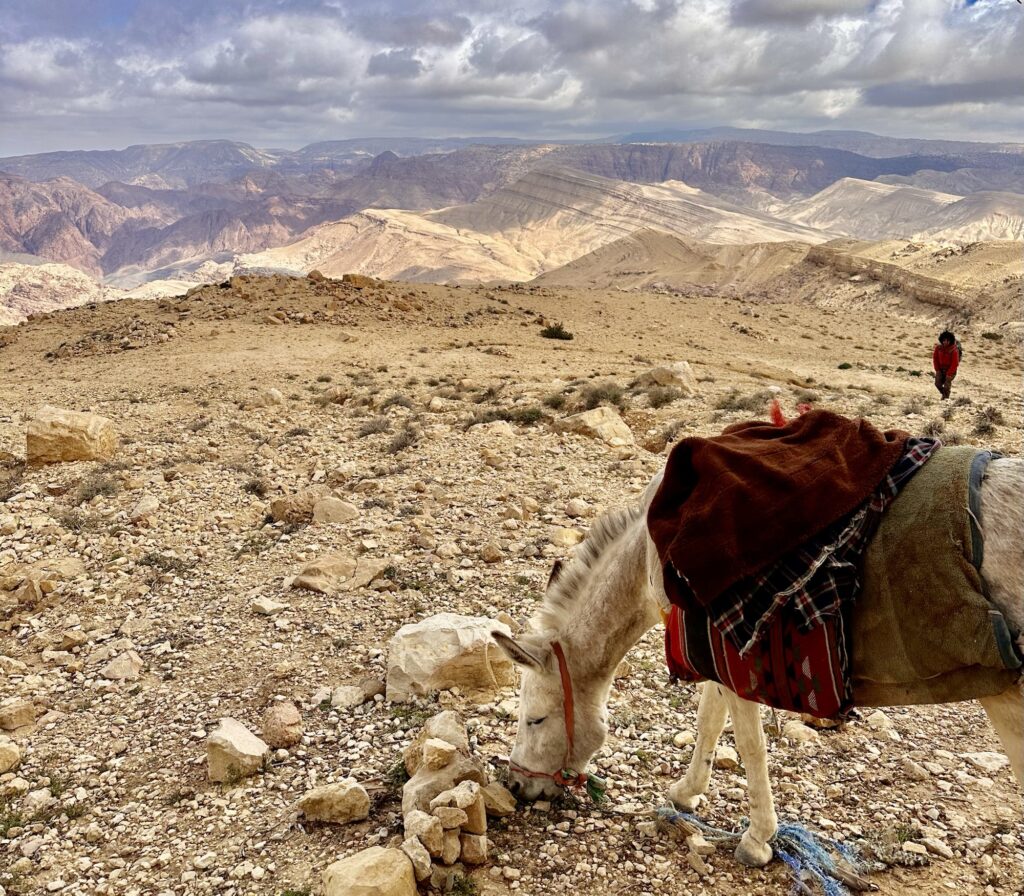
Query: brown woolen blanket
731	505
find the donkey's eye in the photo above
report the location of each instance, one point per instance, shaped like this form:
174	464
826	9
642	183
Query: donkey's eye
535	721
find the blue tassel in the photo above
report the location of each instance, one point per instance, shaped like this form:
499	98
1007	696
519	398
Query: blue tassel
805	853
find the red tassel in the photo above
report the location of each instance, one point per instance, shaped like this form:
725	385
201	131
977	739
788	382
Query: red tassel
803	408
776	411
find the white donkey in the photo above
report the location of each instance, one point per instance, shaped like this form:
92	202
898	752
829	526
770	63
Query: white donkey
600	604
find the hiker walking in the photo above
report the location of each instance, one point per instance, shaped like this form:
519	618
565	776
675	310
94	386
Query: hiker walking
945	360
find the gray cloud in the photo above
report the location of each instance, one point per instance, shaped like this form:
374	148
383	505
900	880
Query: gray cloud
794	12
285	72
395	64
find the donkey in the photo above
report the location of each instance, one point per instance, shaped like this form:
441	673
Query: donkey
601	603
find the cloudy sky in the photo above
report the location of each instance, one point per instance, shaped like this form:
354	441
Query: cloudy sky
95	74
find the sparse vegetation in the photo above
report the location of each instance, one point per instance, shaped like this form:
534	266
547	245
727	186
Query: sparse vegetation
257	486
373	426
986	420
406	437
659	396
397	400
95	485
607	392
556	331
734	400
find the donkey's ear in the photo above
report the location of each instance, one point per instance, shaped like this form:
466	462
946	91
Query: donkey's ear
529	652
556	571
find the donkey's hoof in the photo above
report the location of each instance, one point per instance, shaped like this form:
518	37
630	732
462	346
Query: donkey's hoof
682	798
751	853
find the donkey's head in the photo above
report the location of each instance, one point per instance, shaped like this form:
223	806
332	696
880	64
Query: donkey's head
562	717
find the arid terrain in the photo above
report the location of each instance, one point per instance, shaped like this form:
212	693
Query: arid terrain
431	409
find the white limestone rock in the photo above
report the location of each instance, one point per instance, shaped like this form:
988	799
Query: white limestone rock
342	802
56	435
601	423
447	651
373	872
234	752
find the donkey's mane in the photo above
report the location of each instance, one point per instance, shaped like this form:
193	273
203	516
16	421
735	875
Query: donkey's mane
567	587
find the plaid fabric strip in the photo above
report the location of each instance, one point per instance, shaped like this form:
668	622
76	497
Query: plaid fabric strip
816	578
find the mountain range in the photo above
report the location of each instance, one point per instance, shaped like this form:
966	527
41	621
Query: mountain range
464	209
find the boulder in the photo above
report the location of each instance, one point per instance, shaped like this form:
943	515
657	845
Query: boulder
451	847
446	726
297	509
126	666
146	506
498	800
987	762
339	803
10	756
599	423
282	725
447	651
325	575
425	828
373	872
564	537
233	751
419	857
17	713
427	783
334	510
474	849
437	753
347	696
468	798
678	374
56	435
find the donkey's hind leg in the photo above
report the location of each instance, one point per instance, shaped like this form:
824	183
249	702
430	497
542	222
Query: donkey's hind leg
754	848
711	714
1006	712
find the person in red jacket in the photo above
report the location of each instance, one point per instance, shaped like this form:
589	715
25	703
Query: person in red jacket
945	360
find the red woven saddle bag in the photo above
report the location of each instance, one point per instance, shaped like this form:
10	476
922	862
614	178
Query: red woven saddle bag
787	668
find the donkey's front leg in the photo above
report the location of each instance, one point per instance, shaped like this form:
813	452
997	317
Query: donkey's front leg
711	714
753	848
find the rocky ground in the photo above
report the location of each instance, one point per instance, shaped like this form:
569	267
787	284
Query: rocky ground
430	410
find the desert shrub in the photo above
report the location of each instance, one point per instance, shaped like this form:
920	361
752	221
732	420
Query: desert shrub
556	400
846	365
296	431
95	485
808	396
933	427
607	392
986	421
199	425
324	378
397	400
659	396
995	337
555	331
406	437
912	405
526	416
373	426
256	486
734	400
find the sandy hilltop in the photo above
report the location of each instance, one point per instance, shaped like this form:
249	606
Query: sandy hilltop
304	465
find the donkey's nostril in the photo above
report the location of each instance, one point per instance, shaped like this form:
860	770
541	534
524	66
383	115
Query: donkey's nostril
514	787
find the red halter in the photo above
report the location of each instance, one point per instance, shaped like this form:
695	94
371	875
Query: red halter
564	777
